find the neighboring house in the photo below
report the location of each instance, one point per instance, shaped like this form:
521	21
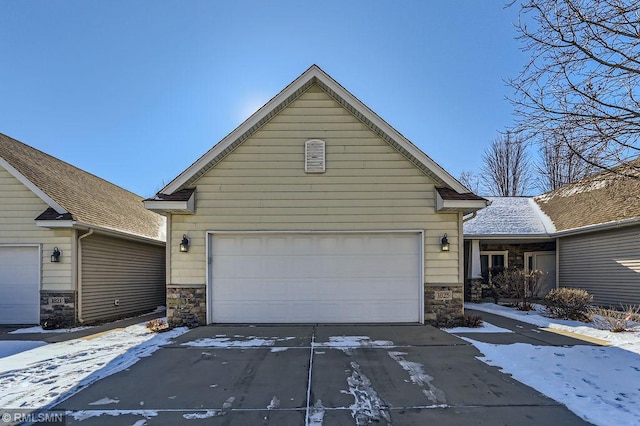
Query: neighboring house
592	226
512	232
314	210
74	248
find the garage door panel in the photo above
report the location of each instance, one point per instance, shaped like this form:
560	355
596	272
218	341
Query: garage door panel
20	285
315	277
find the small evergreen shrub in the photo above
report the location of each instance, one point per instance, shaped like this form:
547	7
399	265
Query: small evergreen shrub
568	303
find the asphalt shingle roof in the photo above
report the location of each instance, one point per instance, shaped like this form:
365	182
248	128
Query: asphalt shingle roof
603	198
88	198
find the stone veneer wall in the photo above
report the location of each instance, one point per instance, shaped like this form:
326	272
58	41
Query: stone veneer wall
62	311
186	306
442	310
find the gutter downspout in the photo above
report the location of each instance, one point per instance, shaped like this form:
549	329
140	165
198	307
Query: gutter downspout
80	274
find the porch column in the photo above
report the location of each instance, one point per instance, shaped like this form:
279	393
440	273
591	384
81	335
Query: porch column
475	271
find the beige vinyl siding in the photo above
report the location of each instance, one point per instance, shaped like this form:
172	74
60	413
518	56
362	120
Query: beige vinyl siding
18	209
262	186
606	264
117	269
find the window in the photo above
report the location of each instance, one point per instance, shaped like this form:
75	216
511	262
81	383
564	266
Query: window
314	156
492	263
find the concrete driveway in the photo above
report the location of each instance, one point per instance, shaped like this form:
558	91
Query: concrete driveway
314	375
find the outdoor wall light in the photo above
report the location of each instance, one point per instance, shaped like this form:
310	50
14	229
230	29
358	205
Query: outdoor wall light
184	244
55	256
444	243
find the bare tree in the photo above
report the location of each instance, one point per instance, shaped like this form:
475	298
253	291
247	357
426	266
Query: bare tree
582	82
559	166
507	170
470	180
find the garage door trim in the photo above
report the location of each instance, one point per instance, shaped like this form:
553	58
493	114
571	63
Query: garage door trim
208	259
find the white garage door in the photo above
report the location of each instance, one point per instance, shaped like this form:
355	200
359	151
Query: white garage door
311	278
19	285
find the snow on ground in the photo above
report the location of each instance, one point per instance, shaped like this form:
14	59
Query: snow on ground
38	329
598	383
484	328
629	340
40	377
12	347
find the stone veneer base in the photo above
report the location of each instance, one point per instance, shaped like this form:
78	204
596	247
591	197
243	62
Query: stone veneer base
186	305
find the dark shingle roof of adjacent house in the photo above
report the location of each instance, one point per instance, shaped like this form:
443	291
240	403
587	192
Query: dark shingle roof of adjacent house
603	198
82	197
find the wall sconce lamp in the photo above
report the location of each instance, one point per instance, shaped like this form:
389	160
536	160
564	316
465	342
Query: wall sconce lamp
55	256
444	243
184	244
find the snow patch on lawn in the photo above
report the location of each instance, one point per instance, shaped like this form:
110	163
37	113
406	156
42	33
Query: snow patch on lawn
599	384
49	374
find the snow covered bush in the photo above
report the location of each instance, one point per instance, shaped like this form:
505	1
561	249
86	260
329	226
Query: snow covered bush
568	303
614	320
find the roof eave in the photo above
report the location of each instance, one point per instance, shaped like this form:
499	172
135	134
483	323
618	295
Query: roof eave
172	206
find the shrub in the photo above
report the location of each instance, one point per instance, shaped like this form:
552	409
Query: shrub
158	325
614	320
472	321
517	284
568	303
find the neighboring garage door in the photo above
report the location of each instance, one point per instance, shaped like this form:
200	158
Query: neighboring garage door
19	285
315	278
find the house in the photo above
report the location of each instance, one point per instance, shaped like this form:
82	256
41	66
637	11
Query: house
512	232
591	227
314	210
74	248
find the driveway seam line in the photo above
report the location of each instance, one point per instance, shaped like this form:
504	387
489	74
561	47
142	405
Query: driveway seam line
313	340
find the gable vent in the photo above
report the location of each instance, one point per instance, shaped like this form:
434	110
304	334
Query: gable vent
314	156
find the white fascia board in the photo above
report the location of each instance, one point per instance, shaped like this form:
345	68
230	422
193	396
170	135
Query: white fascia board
32	187
172	206
55	223
467	206
313	72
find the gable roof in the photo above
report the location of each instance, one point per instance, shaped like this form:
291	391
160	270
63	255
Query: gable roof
605	198
313	75
76	196
509	216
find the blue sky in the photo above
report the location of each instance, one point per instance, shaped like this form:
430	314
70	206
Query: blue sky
135	91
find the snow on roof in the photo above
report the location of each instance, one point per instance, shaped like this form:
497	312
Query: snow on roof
510	216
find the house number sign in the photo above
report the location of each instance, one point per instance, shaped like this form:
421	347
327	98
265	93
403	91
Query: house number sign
56	300
443	295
